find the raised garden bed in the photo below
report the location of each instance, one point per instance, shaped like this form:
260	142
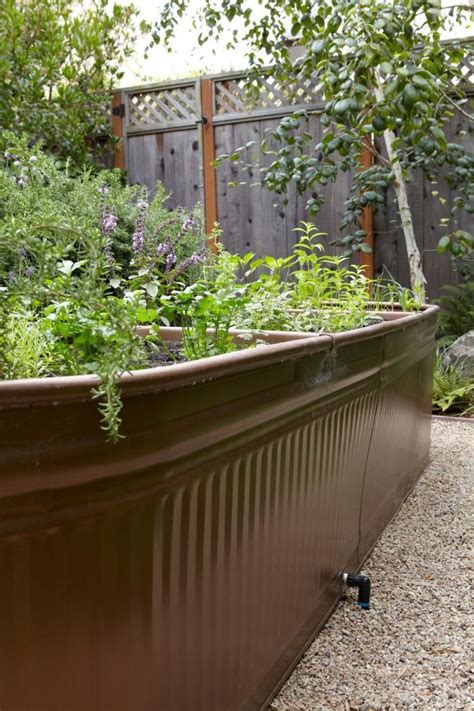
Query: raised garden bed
188	566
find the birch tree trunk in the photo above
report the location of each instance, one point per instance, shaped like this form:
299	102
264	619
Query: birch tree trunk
417	278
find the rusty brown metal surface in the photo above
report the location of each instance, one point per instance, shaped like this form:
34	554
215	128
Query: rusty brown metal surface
187	568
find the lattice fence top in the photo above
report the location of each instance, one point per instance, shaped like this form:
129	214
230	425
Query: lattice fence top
467	71
231	96
162	106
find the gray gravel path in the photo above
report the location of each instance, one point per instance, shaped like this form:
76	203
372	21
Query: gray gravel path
411	650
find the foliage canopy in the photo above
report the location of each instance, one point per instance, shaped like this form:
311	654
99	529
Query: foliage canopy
59	62
384	72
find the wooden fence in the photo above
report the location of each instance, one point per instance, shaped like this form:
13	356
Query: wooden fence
173	131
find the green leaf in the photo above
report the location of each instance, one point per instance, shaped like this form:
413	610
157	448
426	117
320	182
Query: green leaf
410	95
318	46
340	107
151	288
444	243
379	123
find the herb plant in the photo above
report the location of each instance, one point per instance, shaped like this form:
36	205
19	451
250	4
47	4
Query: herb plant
306	291
68	300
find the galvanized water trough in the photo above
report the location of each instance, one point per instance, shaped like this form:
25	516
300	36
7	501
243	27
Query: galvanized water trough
188	567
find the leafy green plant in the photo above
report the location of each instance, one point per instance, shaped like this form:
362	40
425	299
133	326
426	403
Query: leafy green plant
385	290
453	392
59	64
205	316
27	349
306	291
64	319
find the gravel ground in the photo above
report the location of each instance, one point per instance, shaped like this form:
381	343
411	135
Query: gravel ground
411	650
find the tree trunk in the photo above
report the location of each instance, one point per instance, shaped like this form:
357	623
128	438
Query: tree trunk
417	278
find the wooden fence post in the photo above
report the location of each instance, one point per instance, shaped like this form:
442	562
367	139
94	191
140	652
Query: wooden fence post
367	218
208	155
117	130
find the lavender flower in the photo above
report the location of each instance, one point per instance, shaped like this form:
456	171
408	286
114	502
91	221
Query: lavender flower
170	261
29	271
22	252
11	276
108	222
138	242
188	223
163	248
191	261
138	239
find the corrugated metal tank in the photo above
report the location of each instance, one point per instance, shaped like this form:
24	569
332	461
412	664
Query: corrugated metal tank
187	567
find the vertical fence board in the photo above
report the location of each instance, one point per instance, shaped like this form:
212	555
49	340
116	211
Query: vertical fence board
117	129
173	158
277	219
234	237
208	155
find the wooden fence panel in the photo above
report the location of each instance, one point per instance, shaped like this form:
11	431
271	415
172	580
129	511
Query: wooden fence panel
162	133
251	217
171	132
171	157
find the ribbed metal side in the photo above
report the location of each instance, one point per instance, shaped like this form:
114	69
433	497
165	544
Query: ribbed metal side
186	569
399	449
247	550
205	584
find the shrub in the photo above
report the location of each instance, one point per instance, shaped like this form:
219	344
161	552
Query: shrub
59	63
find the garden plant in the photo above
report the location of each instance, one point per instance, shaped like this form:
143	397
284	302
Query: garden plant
59	63
79	257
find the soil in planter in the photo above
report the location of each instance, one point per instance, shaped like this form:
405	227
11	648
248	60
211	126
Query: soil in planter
170	354
166	356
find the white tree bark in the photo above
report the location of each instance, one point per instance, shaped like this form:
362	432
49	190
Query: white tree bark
417	278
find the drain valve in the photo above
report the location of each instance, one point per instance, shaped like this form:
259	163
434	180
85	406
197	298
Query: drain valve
363	583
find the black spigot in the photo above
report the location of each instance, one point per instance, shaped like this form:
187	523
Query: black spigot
363	583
